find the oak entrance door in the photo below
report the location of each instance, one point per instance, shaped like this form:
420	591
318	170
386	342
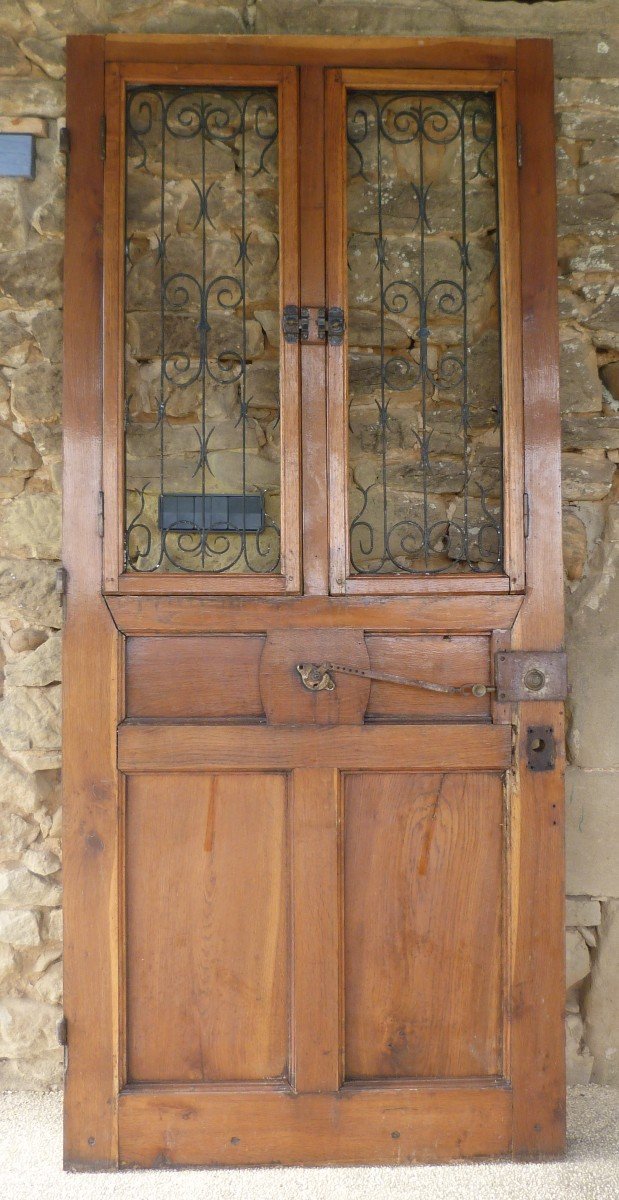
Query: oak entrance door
313	673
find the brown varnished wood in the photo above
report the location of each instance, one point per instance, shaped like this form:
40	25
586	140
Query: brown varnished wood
343	942
92	699
287	702
316	1010
395	1125
422	925
438	53
313	358
452	661
204	677
537	881
160	746
207	977
426	614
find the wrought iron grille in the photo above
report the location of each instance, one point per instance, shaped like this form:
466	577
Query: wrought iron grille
201	297
424	377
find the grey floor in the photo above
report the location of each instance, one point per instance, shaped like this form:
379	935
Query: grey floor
30	1166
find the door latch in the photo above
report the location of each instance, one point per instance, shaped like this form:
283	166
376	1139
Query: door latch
318	677
313	326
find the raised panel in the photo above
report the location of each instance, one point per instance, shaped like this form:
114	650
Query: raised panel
207	919
452	661
208	677
422	925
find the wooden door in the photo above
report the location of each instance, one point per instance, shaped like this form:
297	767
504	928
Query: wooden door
312	916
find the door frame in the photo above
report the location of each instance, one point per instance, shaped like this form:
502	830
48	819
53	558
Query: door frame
533	1109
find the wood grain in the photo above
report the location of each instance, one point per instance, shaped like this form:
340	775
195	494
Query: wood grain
423	614
287	702
422	925
538	871
393	1125
440	53
207	978
316	921
452	661
205	677
187	747
92	692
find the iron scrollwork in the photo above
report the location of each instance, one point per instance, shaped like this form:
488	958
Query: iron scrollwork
200	316
416	137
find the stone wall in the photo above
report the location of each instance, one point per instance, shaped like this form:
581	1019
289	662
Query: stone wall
32	32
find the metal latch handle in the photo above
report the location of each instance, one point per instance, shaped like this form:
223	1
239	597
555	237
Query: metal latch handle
318	677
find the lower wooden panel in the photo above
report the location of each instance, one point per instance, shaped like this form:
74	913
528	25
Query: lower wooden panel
206	887
422	925
386	1125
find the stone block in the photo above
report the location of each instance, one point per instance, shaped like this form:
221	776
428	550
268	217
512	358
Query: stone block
604	321
593	644
47	54
18	459
20	792
36	97
33	272
576	958
21	888
39	667
41	860
30	726
28	593
589	216
27	1028
37	393
49	986
19	927
13	230
15	341
601	1007
581	390
580	910
592	832
574	545
16	834
30	526
578	1057
586	476
590	432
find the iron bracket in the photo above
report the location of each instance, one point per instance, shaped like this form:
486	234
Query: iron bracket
314	326
530	675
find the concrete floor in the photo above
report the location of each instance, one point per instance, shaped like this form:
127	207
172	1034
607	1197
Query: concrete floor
30	1167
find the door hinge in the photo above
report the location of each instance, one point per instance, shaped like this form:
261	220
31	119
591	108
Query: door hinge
100	514
102	136
64	145
526	514
63	1040
519	153
314	326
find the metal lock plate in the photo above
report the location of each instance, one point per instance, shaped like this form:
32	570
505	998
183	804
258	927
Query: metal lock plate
541	748
530	675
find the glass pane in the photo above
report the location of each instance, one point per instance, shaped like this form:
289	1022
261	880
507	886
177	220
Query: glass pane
202	452
424	376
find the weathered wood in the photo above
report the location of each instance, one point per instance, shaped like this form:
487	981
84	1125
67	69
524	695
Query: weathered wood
207	994
204	677
395	1125
184	747
92	699
427	614
537	934
422	925
316	1005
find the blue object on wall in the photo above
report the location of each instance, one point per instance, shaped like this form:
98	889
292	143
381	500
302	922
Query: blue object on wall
17	155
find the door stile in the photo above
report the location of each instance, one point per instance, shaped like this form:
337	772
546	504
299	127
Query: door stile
537	1034
92	663
313	357
337	421
316	907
